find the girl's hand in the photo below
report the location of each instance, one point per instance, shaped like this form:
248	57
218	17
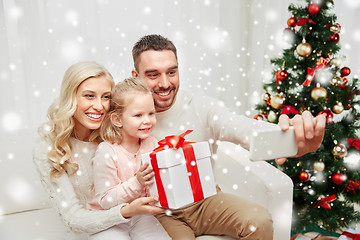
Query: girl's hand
145	175
142	206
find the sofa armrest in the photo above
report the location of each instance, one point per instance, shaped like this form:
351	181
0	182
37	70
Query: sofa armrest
259	182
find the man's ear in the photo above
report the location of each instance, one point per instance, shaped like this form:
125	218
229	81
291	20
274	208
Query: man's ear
116	119
134	73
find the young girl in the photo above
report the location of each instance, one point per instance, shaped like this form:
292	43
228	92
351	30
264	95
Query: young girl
120	175
63	156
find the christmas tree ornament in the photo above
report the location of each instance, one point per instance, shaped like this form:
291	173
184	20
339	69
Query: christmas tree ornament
320	64
319	166
340	150
303	176
313	8
323	202
345	71
329	115
280	76
343	80
338	178
338	108
335	38
318	92
335	28
336	80
353	142
336	62
304	49
259	117
352	186
276	101
272	117
291	22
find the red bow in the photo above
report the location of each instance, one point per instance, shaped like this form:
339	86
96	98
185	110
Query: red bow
302	21
354	142
353	236
324	202
288	110
190	161
320	64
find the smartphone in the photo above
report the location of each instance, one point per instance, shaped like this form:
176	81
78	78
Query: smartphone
268	144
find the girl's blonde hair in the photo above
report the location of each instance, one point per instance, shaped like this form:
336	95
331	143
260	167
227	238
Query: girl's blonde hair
121	96
60	126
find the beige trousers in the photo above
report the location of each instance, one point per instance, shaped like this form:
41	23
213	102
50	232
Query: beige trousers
221	214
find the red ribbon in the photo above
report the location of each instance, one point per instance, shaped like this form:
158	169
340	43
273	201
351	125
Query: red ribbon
320	64
354	142
354	236
302	21
177	142
324	202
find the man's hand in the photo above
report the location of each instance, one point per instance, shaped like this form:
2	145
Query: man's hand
309	132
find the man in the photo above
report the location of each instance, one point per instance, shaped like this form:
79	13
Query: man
155	61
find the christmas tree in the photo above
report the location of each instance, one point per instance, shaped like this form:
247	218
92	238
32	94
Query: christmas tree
310	75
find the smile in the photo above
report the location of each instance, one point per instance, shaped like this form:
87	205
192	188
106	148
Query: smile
94	116
163	93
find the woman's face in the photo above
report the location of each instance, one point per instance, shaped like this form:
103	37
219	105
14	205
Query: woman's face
93	102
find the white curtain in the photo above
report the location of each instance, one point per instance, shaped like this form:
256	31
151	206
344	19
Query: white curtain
224	46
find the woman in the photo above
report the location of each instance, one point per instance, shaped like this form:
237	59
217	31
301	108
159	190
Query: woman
69	140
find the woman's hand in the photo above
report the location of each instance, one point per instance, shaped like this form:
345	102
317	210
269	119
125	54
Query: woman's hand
145	175
309	132
141	206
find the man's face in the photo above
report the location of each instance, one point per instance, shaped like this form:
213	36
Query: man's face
160	71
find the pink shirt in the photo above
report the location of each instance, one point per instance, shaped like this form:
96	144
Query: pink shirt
114	173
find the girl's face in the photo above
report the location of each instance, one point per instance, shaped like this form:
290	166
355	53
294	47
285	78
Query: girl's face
138	118
93	102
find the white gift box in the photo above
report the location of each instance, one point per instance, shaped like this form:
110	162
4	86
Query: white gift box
174	175
352	231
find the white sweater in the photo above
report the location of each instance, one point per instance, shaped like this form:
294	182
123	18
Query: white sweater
73	196
209	118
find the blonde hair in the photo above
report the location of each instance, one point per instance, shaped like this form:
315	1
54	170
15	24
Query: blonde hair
60	125
122	95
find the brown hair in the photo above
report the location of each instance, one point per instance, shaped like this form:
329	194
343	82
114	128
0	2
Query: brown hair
151	42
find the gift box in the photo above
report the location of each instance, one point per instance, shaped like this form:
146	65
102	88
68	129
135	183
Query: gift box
350	234
183	172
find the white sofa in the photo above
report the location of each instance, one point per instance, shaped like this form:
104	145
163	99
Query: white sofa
25	212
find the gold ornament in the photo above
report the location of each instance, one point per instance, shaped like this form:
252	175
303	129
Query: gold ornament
318	92
336	62
339	150
338	108
272	117
319	166
335	28
336	80
276	101
304	49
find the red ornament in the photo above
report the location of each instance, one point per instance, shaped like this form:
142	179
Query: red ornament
303	176
291	22
345	71
352	186
335	38
313	8
329	115
280	75
338	178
